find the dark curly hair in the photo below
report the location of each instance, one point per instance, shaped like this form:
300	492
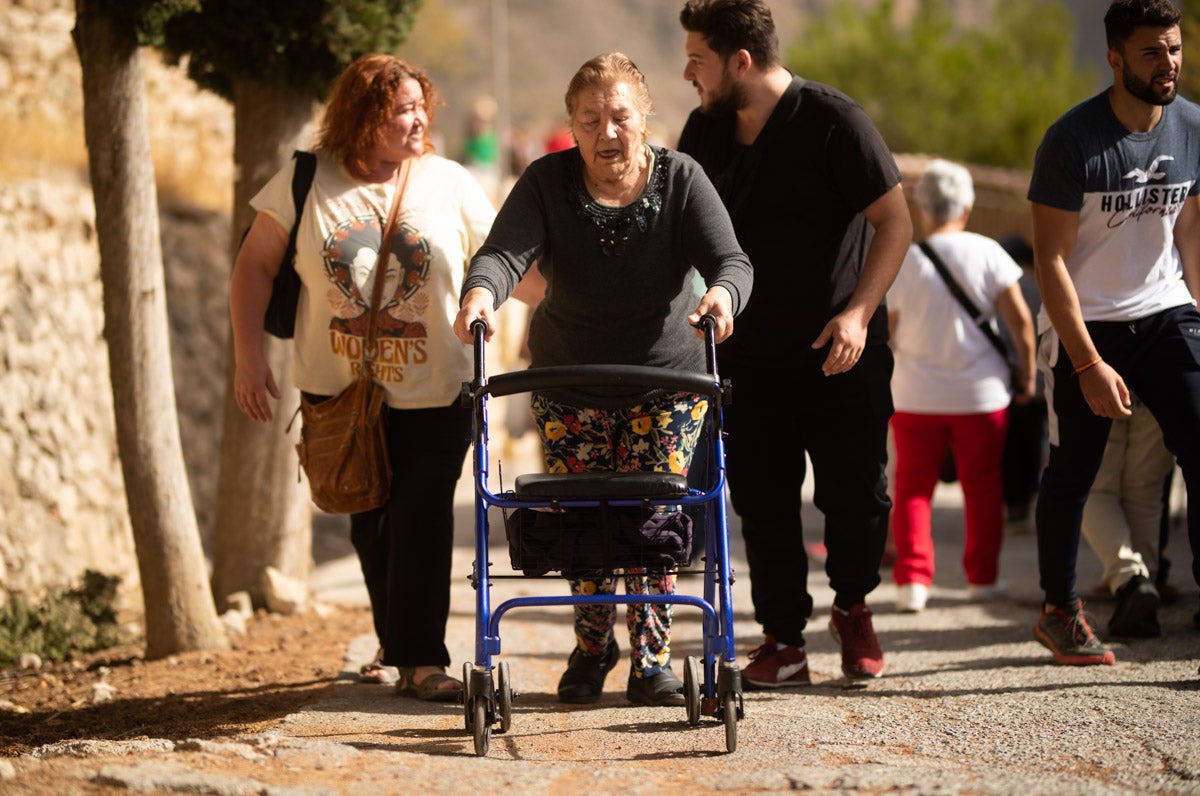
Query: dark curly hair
1125	15
731	25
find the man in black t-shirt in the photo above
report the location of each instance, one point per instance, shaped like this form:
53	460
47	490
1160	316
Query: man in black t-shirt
816	202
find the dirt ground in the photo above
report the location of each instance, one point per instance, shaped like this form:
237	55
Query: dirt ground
280	665
969	704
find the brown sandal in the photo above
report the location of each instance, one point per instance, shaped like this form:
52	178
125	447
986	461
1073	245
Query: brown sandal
430	688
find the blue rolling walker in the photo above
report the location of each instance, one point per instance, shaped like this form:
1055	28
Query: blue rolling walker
712	684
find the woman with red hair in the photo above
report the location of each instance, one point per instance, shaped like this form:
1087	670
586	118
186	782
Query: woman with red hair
373	144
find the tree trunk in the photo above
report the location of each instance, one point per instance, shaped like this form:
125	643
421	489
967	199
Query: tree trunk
264	514
179	610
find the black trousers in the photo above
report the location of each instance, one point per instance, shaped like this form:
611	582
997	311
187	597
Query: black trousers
1024	446
405	547
1159	358
841	422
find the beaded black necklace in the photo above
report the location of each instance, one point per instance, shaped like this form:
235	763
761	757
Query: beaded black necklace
615	224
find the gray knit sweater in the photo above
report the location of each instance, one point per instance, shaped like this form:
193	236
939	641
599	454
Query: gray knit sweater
619	284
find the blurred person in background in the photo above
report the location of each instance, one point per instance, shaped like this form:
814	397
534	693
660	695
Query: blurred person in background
952	385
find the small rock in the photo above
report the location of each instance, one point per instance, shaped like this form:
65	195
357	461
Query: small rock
284	595
231	748
240	601
102	692
234	621
12	707
29	662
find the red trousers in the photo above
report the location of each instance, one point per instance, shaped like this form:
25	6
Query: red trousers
978	444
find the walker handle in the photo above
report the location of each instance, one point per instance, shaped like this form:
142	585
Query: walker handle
708	323
479	329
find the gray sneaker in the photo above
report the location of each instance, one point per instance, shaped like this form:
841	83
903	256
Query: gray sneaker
1066	633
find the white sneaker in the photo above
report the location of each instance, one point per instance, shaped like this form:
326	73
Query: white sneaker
911	597
986	592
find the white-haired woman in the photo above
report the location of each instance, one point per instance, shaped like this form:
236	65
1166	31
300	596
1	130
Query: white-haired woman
951	386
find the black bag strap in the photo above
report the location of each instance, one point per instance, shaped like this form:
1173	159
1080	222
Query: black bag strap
302	178
279	319
962	298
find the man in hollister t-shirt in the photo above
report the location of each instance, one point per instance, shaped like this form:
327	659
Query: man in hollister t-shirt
1116	233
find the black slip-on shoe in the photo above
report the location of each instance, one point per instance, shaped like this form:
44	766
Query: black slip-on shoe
1136	613
660	690
583	681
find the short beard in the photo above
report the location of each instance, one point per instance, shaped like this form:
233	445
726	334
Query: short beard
731	99
1143	90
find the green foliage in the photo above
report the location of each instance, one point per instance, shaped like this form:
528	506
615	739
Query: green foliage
1189	80
145	18
151	16
300	44
983	95
65	623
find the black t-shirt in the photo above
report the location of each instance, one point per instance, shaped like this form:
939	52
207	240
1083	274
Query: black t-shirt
796	197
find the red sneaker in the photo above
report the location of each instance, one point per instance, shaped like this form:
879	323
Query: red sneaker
771	667
862	657
1069	637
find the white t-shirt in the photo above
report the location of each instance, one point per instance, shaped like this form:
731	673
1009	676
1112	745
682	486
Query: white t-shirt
944	363
445	216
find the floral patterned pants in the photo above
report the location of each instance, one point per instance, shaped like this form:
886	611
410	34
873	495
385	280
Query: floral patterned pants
657	435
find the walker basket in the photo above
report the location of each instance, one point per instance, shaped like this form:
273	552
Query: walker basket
578	541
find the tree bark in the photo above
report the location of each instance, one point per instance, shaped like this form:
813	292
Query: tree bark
264	512
179	610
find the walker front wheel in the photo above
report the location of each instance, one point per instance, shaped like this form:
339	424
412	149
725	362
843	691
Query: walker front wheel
504	697
483	728
729	709
468	715
691	689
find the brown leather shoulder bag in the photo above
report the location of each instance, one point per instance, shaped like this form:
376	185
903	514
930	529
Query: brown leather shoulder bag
343	441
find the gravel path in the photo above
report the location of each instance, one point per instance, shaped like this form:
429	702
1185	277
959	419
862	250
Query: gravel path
969	703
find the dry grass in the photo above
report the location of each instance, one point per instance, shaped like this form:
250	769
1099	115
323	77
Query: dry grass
54	149
37	148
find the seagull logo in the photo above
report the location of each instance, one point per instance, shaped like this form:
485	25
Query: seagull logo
1151	173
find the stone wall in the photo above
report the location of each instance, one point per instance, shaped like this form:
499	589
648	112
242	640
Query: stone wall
62	502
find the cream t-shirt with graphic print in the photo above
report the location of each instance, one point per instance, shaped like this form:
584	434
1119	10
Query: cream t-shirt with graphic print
444	217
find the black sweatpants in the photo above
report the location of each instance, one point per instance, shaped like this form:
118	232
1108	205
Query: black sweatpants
1159	359
841	422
